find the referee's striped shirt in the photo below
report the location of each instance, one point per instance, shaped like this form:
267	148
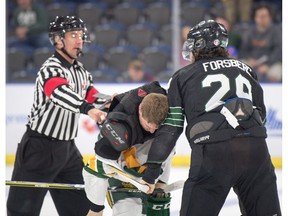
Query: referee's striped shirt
61	91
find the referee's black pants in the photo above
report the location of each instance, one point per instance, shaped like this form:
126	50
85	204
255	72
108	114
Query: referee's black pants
40	158
243	164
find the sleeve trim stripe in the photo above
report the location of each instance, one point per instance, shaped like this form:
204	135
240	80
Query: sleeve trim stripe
90	95
52	84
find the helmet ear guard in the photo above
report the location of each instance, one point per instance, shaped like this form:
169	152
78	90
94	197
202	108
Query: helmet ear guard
205	35
200	44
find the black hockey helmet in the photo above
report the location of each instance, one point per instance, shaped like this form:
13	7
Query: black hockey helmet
205	35
63	24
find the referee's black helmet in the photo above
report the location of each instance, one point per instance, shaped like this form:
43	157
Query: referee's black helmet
63	24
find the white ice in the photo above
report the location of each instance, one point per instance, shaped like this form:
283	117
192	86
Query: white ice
230	207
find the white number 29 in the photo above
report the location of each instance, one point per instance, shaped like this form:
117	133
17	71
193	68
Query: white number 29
240	83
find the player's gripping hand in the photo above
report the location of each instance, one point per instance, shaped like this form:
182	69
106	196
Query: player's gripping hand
151	186
92	213
159	203
97	115
159	190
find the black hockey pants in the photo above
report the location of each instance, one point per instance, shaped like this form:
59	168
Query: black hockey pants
243	164
42	159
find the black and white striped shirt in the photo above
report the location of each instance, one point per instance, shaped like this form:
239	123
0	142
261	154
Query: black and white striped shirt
61	90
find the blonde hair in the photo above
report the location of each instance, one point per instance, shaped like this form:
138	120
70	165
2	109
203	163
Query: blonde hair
155	108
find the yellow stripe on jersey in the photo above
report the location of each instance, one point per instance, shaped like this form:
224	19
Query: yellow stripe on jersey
130	157
91	163
109	199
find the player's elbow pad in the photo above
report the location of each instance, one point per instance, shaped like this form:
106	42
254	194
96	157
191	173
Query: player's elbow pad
163	144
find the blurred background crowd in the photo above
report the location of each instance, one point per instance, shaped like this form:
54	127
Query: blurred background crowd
131	40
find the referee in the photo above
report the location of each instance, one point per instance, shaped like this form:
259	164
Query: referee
47	151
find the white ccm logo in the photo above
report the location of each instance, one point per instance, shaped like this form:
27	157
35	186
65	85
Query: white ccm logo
160	207
114	134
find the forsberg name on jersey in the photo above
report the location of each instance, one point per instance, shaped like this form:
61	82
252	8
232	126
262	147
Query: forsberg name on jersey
227	63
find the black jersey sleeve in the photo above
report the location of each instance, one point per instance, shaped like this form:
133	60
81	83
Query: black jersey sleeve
167	135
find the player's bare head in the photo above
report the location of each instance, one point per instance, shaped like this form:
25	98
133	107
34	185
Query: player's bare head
153	109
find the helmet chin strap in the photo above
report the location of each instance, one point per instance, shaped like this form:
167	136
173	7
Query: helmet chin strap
79	52
66	53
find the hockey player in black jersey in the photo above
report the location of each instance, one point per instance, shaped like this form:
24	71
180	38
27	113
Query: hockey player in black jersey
222	102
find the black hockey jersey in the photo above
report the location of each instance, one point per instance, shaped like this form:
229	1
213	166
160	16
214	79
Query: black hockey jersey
197	93
128	104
